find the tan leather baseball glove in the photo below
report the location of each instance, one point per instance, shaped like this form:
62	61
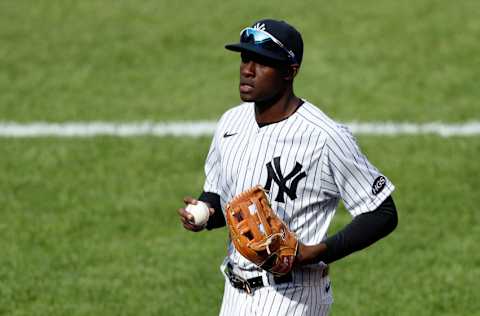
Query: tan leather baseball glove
259	234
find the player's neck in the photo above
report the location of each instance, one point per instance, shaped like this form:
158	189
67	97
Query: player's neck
277	109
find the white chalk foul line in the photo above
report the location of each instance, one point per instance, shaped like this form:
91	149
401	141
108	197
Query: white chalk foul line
206	128
91	129
390	128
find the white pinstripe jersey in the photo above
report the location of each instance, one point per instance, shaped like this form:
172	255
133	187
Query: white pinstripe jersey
308	162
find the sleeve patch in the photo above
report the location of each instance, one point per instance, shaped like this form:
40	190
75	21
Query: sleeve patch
378	185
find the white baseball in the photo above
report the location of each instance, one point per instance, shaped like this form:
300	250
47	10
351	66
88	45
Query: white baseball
200	213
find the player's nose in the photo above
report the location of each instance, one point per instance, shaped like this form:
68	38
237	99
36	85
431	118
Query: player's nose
247	68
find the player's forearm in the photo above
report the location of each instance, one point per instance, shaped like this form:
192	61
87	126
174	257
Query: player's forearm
216	220
363	231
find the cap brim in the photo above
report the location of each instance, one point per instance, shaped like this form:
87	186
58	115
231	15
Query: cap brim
247	47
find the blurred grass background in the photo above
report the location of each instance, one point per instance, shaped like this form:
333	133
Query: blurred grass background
89	226
127	60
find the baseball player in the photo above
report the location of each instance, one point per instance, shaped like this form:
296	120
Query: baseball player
307	163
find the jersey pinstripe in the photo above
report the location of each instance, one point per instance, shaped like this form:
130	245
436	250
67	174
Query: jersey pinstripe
286	300
308	163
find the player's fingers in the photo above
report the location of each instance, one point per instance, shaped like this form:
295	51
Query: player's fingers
184	215
186	218
189	200
192	227
300	253
187	221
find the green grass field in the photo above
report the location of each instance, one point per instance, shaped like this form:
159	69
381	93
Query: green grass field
89	226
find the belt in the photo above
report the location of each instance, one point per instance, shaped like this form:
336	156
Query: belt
248	285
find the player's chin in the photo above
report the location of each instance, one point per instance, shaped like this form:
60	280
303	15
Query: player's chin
247	97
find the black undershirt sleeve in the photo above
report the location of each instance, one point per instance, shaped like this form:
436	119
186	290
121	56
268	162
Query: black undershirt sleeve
364	230
217	220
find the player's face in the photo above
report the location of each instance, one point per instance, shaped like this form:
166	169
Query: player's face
260	79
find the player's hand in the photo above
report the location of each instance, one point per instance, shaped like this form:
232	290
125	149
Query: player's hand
187	219
309	254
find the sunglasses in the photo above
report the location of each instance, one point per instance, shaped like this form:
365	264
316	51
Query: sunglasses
264	40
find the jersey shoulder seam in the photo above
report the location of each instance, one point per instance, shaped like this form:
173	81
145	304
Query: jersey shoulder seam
315	117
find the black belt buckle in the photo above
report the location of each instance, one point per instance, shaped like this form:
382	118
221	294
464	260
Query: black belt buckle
236	281
253	283
240	283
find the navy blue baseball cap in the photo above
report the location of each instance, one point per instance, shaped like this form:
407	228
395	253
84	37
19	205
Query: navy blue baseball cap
276	40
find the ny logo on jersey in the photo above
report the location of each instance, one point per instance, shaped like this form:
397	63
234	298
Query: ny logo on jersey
275	174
